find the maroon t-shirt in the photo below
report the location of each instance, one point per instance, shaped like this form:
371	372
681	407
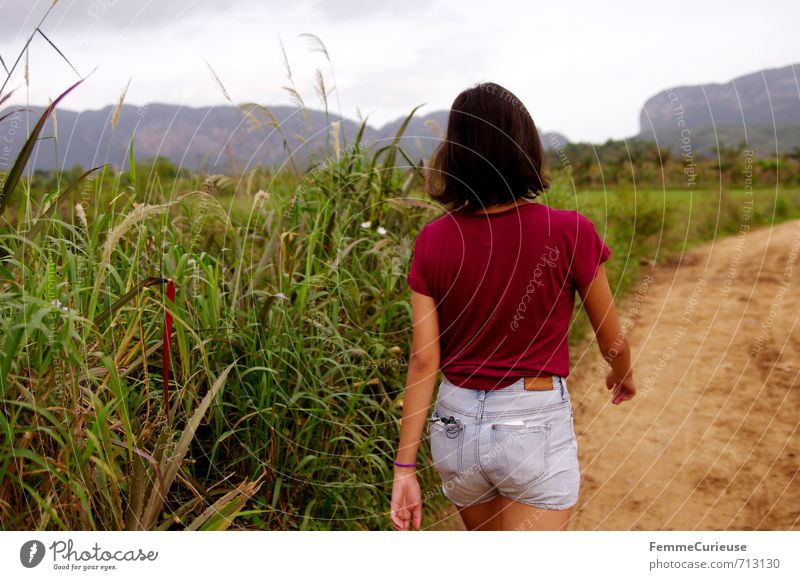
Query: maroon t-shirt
504	285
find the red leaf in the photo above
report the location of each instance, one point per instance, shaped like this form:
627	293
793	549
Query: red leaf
167	338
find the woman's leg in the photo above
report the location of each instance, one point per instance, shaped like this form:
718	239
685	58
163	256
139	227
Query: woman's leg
520	517
483	516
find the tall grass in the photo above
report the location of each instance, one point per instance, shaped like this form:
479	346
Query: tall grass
278	313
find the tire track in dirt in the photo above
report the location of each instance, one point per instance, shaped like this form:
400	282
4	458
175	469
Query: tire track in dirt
710	442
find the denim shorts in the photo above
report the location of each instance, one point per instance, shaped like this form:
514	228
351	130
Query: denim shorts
511	442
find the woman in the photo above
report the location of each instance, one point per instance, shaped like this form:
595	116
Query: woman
493	285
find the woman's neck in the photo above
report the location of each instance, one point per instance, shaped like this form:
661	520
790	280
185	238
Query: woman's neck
495	208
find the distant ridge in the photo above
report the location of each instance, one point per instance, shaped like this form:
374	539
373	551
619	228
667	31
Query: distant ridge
760	108
222	139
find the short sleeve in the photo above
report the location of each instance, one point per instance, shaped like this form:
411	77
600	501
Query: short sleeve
590	252
418	277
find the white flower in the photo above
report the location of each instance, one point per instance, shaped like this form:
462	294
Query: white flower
366	225
81	215
260	197
382	230
56	303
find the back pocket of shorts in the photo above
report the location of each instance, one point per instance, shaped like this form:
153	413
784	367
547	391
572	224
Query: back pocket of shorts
446	444
520	452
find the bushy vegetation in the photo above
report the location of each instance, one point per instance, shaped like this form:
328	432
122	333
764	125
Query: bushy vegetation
290	318
636	163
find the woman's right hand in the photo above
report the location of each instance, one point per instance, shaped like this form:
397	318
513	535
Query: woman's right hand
599	304
406	504
622	388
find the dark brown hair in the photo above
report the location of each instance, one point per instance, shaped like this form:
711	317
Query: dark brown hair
492	153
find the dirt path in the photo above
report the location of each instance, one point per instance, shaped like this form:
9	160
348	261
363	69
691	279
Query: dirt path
711	440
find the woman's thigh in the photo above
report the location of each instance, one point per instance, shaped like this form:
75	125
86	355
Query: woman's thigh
517	516
505	514
483	516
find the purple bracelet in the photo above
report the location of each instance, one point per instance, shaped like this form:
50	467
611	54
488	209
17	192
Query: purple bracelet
405	464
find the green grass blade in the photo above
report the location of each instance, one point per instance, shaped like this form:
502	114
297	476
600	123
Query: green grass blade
25	153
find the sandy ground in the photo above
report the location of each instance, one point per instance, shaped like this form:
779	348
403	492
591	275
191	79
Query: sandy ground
711	440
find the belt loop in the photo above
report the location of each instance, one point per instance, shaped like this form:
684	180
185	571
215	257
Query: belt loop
563	388
554	379
481	394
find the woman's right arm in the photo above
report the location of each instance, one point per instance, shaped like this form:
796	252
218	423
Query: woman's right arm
599	304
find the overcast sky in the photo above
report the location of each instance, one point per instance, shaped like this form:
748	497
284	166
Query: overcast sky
581	68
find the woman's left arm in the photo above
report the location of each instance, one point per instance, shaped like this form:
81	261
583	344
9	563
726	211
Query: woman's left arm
423	366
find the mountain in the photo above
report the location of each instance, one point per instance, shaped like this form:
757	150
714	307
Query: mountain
222	139
761	109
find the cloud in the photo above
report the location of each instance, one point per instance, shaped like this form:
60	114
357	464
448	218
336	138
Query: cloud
76	16
342	10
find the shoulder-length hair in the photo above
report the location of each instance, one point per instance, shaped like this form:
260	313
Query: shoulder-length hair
492	152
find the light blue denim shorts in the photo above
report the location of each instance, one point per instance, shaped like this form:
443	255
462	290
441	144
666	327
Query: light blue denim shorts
511	442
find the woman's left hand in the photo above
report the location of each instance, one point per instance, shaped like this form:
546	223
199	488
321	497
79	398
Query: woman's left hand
406	499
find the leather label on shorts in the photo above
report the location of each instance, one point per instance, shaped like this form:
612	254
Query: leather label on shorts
538	384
